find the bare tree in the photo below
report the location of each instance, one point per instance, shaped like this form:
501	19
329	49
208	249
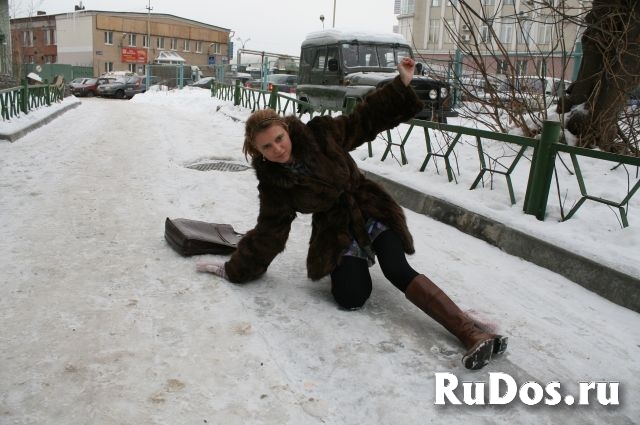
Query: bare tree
610	69
490	76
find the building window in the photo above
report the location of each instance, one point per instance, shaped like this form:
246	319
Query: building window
511	2
187	46
407	7
50	59
174	44
541	67
215	48
198	46
27	38
108	37
132	67
506	31
50	36
485	33
521	67
132	40
160	43
108	67
145	41
544	32
435	3
524	31
434	31
503	66
487	2
450	30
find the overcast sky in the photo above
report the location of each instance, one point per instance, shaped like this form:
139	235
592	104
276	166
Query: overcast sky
276	26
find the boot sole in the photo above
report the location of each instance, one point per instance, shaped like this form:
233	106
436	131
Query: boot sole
480	355
500	344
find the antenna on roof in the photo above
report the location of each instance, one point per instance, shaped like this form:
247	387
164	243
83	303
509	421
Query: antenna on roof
79	6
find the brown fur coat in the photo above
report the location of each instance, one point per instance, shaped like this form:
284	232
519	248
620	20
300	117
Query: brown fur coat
340	198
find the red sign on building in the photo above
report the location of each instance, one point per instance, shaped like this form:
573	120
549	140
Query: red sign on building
134	55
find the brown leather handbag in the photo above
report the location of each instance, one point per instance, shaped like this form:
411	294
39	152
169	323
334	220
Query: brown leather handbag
192	237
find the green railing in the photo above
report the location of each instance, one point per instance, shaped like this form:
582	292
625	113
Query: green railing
21	100
545	150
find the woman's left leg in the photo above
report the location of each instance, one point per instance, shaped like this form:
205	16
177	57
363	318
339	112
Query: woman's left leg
427	296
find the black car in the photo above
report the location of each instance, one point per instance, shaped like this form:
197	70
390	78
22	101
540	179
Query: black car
286	83
114	89
138	84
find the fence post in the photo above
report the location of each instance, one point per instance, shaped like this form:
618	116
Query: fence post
236	94
24	100
273	98
350	105
47	94
542	165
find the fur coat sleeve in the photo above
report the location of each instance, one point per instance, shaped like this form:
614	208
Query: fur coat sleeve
381	110
267	239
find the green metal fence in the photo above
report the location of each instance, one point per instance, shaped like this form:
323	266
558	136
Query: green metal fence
544	150
21	100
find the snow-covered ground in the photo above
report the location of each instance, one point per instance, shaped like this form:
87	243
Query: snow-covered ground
102	323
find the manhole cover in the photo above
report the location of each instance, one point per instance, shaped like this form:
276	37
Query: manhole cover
218	166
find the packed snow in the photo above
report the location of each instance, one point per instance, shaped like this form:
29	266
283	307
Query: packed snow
102	323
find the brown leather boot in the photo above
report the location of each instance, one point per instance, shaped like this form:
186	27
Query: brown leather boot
480	345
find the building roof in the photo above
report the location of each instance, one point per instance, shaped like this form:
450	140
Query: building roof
332	36
132	14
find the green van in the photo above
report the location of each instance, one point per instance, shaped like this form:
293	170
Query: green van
338	67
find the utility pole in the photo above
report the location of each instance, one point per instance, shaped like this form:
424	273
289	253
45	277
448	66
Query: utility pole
149	9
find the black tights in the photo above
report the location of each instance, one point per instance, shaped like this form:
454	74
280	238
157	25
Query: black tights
351	281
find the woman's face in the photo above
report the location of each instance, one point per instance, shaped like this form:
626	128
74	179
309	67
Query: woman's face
274	144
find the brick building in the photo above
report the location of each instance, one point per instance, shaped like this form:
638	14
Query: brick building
116	41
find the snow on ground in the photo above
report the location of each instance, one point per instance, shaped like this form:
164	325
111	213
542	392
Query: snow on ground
102	323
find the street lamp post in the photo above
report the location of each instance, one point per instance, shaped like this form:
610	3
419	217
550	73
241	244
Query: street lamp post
243	42
334	14
149	8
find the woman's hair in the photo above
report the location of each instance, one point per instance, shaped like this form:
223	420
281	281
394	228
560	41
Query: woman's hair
259	121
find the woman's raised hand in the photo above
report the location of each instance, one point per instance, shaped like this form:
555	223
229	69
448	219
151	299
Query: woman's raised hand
406	68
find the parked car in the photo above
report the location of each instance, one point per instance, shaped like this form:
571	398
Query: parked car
204	83
286	83
532	92
113	89
76	81
89	87
138	84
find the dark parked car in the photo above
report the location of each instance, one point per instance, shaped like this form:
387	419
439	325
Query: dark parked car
114	89
138	84
286	83
89	86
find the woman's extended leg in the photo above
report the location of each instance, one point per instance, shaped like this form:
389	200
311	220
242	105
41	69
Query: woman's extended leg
351	282
422	292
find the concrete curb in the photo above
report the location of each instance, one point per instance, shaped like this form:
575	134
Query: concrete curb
12	137
611	284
